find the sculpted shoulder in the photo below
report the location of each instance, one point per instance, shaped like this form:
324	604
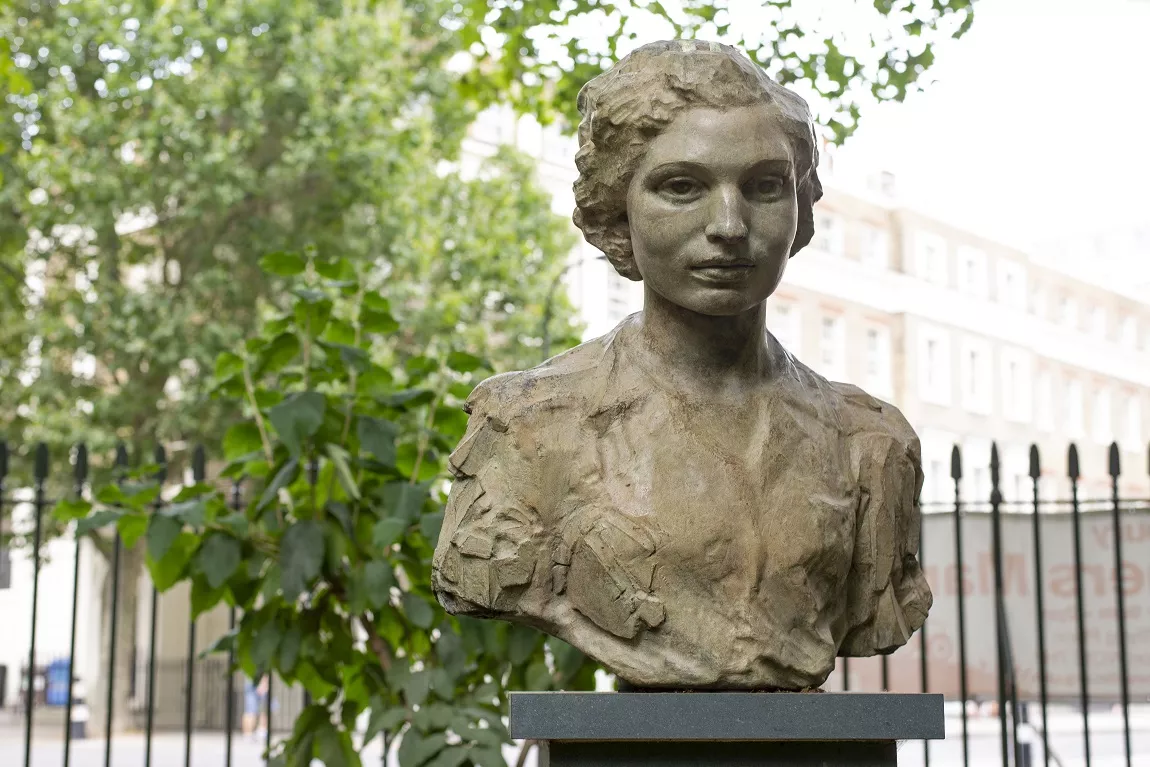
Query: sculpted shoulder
559	388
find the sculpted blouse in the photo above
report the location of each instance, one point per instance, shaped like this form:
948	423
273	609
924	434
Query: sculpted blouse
591	504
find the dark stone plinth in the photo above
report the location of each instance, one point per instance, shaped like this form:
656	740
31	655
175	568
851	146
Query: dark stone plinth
700	728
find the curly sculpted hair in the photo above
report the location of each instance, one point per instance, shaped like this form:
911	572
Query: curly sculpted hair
627	106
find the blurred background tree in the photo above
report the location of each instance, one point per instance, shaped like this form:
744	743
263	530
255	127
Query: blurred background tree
153	151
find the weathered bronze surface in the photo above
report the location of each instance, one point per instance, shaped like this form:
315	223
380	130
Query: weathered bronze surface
682	499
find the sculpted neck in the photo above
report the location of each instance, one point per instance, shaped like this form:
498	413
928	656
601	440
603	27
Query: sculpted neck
707	350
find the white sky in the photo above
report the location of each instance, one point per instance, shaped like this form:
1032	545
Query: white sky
1036	127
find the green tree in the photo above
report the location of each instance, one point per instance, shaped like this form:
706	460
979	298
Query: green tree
330	560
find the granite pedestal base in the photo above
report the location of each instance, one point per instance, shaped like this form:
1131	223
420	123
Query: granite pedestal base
733	729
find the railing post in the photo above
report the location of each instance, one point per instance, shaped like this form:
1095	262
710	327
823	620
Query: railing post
117	545
1084	696
161	459
956	475
40	477
999	600
1119	564
198	475
1039	587
80	477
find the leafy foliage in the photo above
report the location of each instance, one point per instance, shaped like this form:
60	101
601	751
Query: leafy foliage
329	559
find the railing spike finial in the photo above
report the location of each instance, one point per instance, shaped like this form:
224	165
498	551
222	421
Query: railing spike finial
161	458
40	466
121	455
3	460
1035	464
995	464
1115	461
1072	463
955	463
80	470
199	464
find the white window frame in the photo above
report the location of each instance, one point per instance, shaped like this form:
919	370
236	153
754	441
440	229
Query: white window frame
1098	322
1011	284
785	322
830	234
1102	416
934	380
973	272
975	383
1133	421
1044	401
1068	313
1017	391
832	345
875	247
877	373
1075	410
930	257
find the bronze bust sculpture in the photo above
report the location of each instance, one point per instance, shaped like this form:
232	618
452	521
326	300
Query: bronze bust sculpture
682	499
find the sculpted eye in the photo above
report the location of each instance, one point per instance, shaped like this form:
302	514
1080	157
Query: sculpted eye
680	188
765	188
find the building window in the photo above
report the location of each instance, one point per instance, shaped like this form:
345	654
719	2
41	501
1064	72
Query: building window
1075	416
1103	418
976	377
786	325
832	348
878	372
828	234
1015	385
875	247
1012	285
1040	303
1069	313
973	278
930	257
1098	322
1045	402
1134	423
1129	333
934	366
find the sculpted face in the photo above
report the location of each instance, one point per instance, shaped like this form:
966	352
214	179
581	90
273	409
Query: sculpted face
712	210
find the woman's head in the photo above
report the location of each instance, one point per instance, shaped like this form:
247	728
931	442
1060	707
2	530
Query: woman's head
627	107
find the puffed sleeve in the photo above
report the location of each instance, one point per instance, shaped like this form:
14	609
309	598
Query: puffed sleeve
888	597
491	543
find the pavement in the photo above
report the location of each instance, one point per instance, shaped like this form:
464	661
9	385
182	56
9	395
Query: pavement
207	749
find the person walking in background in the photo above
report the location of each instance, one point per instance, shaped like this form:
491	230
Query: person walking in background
255	721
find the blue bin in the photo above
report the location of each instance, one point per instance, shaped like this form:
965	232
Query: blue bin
58	678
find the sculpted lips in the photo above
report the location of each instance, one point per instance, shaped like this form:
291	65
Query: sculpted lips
726	271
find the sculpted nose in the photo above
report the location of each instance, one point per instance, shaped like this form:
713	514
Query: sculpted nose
727	224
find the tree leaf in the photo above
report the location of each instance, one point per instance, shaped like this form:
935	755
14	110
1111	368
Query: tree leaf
301	556
219	558
277	354
101	518
289	650
240	440
538	677
462	362
383	718
297	418
376	321
71	508
338	458
403	500
430	525
204	597
311	316
416	687
166	572
283	264
162	533
521	644
452	756
284	477
386	532
131	527
378	579
417	610
377	436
